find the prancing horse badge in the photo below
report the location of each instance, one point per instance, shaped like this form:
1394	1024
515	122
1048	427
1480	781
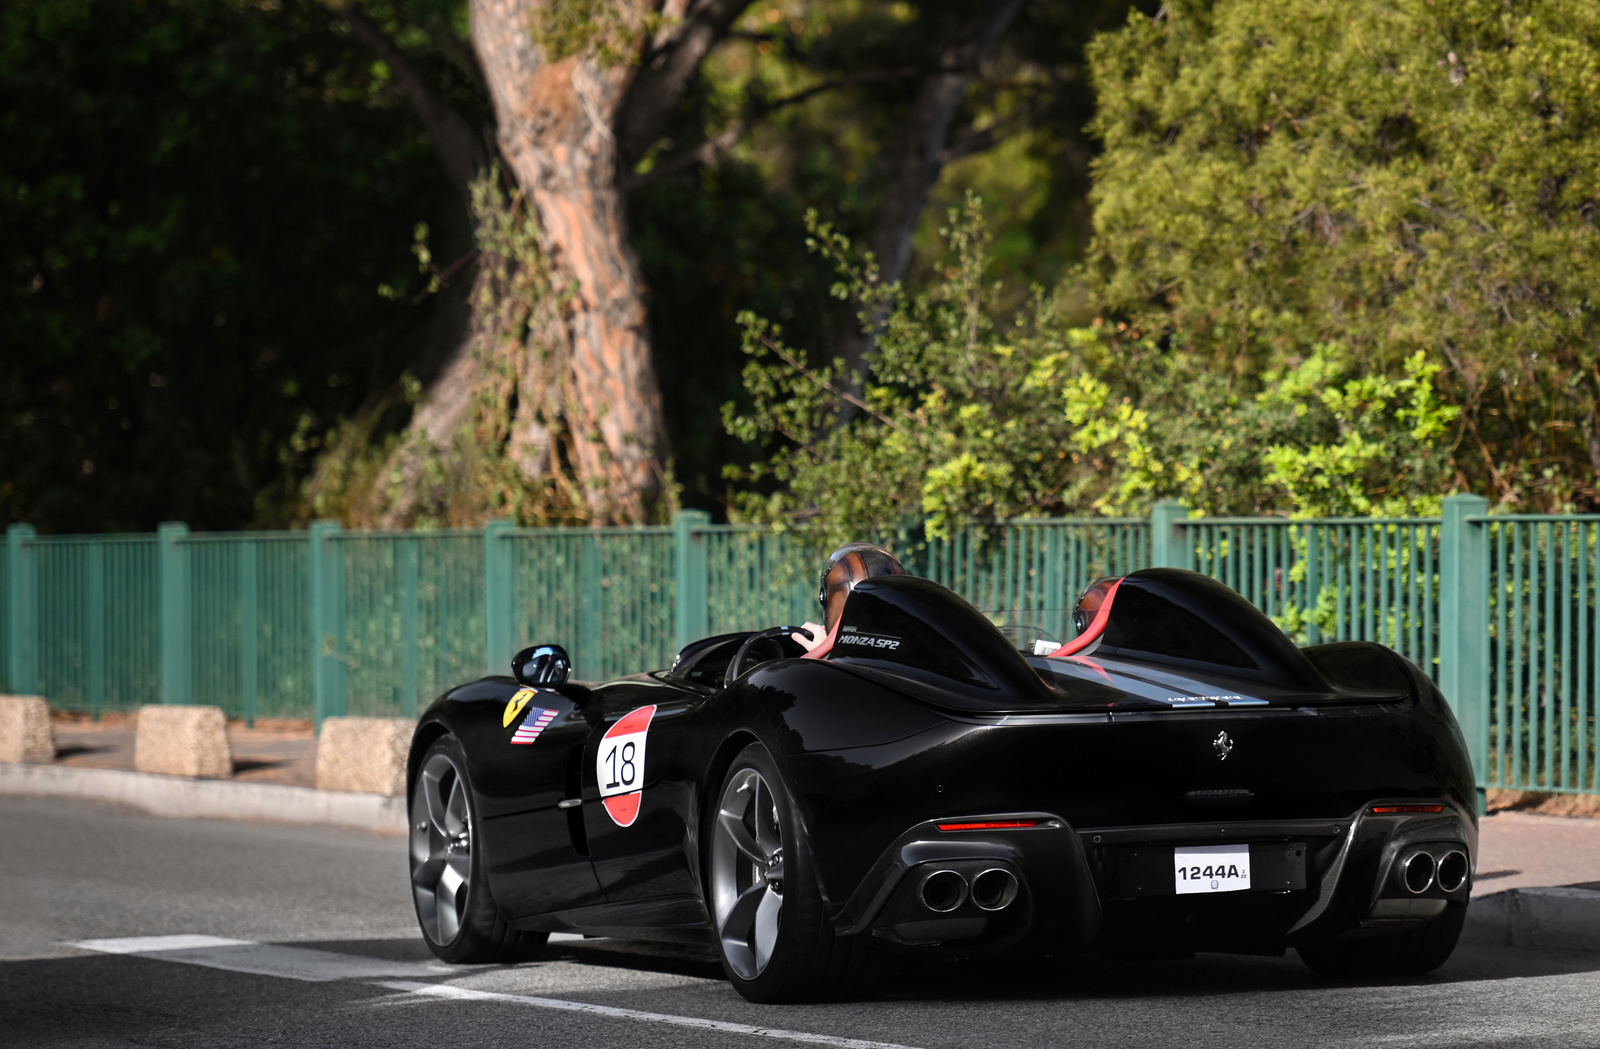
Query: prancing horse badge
1223	746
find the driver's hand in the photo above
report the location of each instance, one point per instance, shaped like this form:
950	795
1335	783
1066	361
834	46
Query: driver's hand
809	636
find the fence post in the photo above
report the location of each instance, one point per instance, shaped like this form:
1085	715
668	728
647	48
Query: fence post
249	631
1313	583
497	595
327	622
177	628
22	610
692	572
590	654
1464	625
410	655
94	632
1168	540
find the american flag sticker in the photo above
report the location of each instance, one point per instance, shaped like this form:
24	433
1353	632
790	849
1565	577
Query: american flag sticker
532	725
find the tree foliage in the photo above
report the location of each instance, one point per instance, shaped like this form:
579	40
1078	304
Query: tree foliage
953	423
1389	179
198	199
973	413
1343	264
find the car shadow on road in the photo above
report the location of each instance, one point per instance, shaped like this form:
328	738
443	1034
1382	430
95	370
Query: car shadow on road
1204	974
1026	977
1069	978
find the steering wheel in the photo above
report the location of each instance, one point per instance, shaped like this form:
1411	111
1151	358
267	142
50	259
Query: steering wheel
770	636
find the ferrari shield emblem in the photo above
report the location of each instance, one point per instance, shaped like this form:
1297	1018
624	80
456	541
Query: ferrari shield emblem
619	765
514	705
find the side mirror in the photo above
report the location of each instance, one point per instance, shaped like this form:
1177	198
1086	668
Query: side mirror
544	666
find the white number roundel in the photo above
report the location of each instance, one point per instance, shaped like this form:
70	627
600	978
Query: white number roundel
619	765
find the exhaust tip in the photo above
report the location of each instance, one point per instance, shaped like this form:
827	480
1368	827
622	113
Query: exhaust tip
994	889
1416	873
1453	871
942	891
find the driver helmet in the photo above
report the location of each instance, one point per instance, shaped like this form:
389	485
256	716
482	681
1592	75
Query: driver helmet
846	567
1094	595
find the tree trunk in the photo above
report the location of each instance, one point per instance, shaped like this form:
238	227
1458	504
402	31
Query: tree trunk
914	167
549	407
555	122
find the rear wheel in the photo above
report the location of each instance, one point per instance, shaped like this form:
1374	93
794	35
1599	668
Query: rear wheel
1409	953
459	917
774	936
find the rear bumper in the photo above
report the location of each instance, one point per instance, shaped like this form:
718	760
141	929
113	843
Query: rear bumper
1315	880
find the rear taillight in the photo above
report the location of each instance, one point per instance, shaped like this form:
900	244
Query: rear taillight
991	825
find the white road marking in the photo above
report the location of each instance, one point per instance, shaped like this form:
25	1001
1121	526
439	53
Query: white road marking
261	959
149	944
300	963
443	990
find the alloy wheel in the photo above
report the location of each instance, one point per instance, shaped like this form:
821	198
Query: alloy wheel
441	848
747	873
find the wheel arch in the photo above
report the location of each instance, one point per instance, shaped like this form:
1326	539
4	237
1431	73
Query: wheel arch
424	737
717	767
711	779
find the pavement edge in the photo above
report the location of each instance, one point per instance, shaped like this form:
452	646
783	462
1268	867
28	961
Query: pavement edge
1555	918
178	796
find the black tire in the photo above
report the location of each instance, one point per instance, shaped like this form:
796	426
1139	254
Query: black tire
1409	953
449	888
805	961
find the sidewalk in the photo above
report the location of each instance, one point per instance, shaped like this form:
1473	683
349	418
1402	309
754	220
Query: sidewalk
276	750
274	777
1519	850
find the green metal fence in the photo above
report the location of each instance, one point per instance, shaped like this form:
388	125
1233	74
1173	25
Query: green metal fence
1500	610
1544	662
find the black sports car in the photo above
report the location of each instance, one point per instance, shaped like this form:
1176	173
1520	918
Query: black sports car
1180	777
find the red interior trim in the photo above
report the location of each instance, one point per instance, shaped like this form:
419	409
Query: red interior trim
822	650
1088	637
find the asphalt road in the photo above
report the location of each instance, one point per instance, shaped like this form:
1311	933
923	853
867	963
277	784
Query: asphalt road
237	934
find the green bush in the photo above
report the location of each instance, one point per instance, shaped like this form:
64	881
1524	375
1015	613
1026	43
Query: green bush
1391	179
969	417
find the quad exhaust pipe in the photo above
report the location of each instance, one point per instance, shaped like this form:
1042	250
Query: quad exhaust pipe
994	889
1453	870
1416	872
944	890
1419	871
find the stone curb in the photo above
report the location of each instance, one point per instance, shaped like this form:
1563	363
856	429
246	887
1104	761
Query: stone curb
181	797
1538	919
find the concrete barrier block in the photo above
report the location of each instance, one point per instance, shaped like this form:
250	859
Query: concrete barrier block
366	755
25	733
183	741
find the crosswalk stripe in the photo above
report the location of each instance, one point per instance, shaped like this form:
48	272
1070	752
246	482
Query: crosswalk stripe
444	990
301	963
261	959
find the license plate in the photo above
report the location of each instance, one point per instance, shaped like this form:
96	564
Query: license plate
1211	868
